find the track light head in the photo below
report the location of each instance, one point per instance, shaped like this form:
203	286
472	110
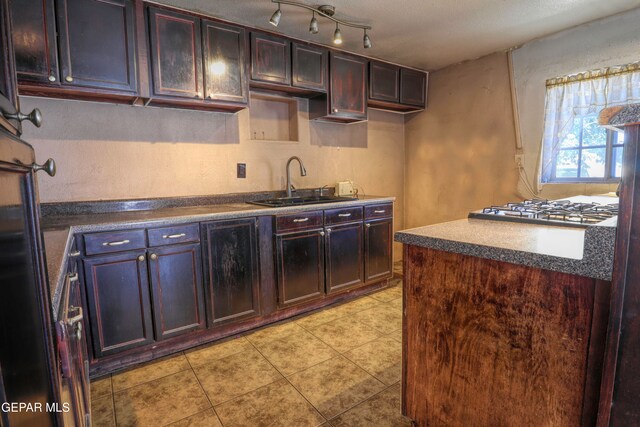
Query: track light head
313	25
337	36
366	41
275	18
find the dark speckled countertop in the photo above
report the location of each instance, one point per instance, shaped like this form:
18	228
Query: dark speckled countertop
581	251
58	231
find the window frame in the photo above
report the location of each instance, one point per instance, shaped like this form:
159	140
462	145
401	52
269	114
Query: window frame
609	178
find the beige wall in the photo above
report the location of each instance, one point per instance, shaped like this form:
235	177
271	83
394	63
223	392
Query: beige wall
106	151
459	152
603	43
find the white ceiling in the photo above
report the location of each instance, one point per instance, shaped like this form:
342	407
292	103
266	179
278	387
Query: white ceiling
427	34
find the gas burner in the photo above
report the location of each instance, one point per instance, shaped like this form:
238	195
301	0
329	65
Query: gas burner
560	212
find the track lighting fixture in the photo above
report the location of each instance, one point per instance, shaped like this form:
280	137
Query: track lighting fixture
325	11
337	36
366	41
313	25
275	18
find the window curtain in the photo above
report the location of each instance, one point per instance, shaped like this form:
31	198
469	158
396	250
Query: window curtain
583	94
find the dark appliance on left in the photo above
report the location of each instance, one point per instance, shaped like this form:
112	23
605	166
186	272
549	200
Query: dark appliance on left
43	381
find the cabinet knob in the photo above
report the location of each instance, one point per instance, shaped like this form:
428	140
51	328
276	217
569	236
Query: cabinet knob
69	79
367	225
335	110
328	231
52	78
34	117
322	233
154	257
49	167
141	258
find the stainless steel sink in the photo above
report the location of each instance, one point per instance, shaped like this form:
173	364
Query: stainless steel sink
299	201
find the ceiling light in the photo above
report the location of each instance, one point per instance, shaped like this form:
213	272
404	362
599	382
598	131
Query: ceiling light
366	41
313	25
275	18
324	11
337	36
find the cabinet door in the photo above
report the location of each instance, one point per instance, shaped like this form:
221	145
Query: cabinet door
270	59
377	249
34	40
384	82
348	86
300	267
8	86
176	287
413	87
118	296
79	361
344	257
231	269
97	44
309	67
176	54
224	64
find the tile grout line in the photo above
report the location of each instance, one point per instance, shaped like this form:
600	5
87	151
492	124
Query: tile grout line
149	364
205	393
365	400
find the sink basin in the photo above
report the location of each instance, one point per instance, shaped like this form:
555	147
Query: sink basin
299	201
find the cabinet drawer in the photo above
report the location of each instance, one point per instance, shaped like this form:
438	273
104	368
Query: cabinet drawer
378	211
299	221
343	215
113	241
174	234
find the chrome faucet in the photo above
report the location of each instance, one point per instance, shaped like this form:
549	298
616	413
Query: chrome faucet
303	172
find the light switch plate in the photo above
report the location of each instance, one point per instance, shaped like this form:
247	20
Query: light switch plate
242	170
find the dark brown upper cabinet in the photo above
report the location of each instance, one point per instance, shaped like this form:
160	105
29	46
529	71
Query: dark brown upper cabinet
97	44
34	40
384	82
413	87
347	98
224	62
176	54
395	88
8	86
309	67
270	59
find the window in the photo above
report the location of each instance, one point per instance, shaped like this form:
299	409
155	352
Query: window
588	152
574	147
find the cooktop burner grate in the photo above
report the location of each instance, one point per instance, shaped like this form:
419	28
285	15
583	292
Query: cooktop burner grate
564	212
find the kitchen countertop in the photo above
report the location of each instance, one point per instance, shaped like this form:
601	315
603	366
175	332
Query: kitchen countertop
581	251
58	231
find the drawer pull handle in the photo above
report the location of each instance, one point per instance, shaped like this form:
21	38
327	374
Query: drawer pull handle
118	243
345	215
379	211
73	277
173	236
301	220
74	254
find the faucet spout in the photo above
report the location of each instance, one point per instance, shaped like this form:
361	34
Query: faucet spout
303	172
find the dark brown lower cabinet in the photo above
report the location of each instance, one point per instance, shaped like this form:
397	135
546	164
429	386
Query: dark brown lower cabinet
119	305
231	269
72	351
344	256
378	240
176	288
300	266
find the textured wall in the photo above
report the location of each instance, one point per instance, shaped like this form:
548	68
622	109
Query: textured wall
459	153
603	43
106	151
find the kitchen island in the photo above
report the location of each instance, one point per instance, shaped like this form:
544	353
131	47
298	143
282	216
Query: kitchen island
504	322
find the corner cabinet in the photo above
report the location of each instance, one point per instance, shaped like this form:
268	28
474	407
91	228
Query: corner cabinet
395	88
346	101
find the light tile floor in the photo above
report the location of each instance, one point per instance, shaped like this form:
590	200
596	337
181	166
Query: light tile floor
337	367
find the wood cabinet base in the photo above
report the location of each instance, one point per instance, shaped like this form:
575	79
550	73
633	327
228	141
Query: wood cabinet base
131	357
491	343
